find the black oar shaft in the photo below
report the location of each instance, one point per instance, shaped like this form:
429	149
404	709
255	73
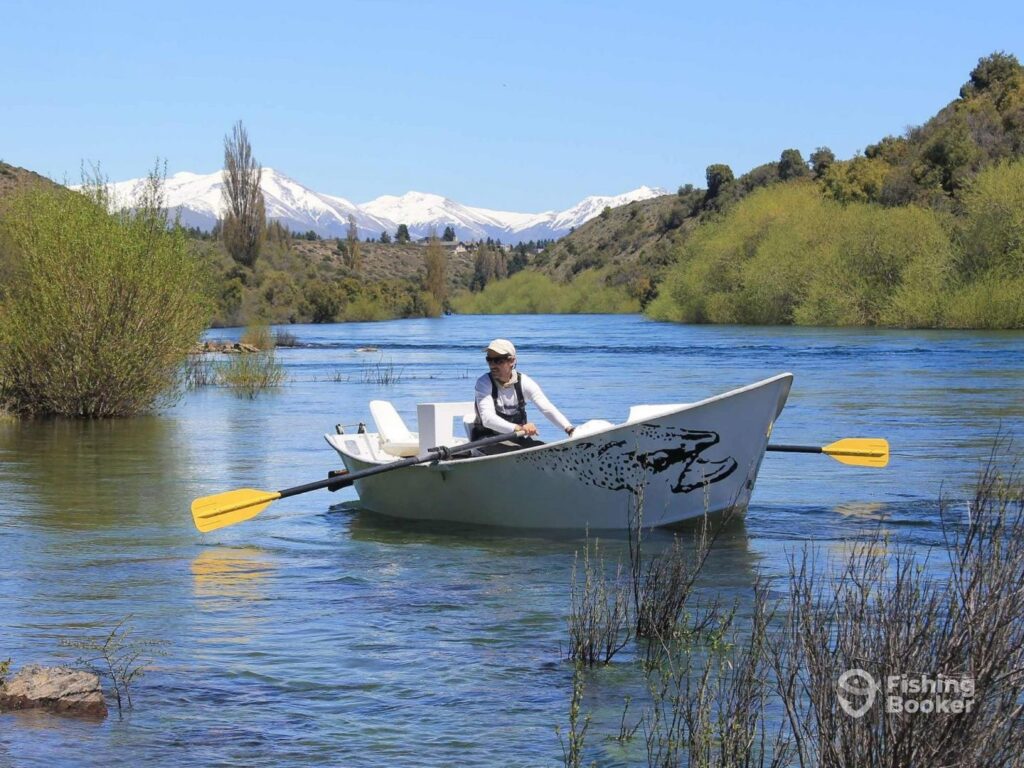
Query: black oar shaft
434	454
795	448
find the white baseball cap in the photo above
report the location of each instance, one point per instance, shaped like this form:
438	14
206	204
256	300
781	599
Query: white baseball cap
502	347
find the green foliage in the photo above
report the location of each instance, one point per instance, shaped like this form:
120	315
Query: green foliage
787	254
792	165
718	176
991	302
449	234
402	234
534	293
949	157
100	309
993	232
5	668
821	160
859	180
488	264
321	302
876	251
996	71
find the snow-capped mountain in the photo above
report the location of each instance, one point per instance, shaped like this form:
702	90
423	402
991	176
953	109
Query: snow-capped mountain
198	199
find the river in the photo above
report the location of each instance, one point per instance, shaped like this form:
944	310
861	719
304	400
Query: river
318	634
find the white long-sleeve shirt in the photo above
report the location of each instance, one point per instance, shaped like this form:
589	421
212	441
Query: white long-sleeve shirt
532	393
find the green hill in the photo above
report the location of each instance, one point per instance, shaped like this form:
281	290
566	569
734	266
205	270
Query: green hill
928	165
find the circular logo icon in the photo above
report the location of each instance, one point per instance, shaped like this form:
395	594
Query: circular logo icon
859	683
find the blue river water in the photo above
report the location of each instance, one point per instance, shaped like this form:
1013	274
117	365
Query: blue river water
319	634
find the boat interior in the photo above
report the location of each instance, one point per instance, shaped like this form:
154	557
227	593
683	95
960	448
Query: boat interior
447	424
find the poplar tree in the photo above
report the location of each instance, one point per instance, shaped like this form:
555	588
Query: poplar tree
354	254
245	215
436	280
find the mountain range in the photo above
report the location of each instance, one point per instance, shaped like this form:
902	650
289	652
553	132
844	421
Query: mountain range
197	198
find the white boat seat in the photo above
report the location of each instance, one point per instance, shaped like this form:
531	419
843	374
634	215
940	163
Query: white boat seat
395	437
642	412
591	427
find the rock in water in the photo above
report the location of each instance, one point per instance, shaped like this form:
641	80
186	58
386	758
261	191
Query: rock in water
54	689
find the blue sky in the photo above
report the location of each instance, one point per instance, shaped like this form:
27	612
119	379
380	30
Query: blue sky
524	106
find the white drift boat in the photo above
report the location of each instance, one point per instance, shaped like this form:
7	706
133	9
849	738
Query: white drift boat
680	460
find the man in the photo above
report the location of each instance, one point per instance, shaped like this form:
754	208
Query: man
501	396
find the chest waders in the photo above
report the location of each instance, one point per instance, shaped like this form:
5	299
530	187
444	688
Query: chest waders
516	415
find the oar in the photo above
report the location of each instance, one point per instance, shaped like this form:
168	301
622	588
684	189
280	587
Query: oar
230	507
858	451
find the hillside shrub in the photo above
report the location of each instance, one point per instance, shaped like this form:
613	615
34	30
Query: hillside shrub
993	234
536	293
100	308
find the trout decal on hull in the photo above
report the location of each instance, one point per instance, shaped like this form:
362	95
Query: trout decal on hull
621	465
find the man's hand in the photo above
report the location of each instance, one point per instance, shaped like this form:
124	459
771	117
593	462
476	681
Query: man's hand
529	429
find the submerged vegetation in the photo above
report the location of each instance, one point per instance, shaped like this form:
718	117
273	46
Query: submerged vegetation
247	372
763	681
118	656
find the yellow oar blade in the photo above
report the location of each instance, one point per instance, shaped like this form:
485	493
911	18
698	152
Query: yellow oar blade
860	451
223	509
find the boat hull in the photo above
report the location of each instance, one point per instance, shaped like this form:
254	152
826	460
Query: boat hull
701	458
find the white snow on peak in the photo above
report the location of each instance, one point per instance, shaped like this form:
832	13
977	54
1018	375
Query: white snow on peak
198	198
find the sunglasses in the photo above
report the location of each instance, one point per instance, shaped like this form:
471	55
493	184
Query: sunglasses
502	359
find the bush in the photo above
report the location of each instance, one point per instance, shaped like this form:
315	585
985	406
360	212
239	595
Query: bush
249	373
993	236
536	293
100	308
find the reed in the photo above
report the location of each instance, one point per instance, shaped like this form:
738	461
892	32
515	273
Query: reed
709	703
761	687
572	745
381	373
198	371
884	612
599	621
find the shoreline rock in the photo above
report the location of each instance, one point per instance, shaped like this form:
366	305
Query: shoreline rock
223	347
60	690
